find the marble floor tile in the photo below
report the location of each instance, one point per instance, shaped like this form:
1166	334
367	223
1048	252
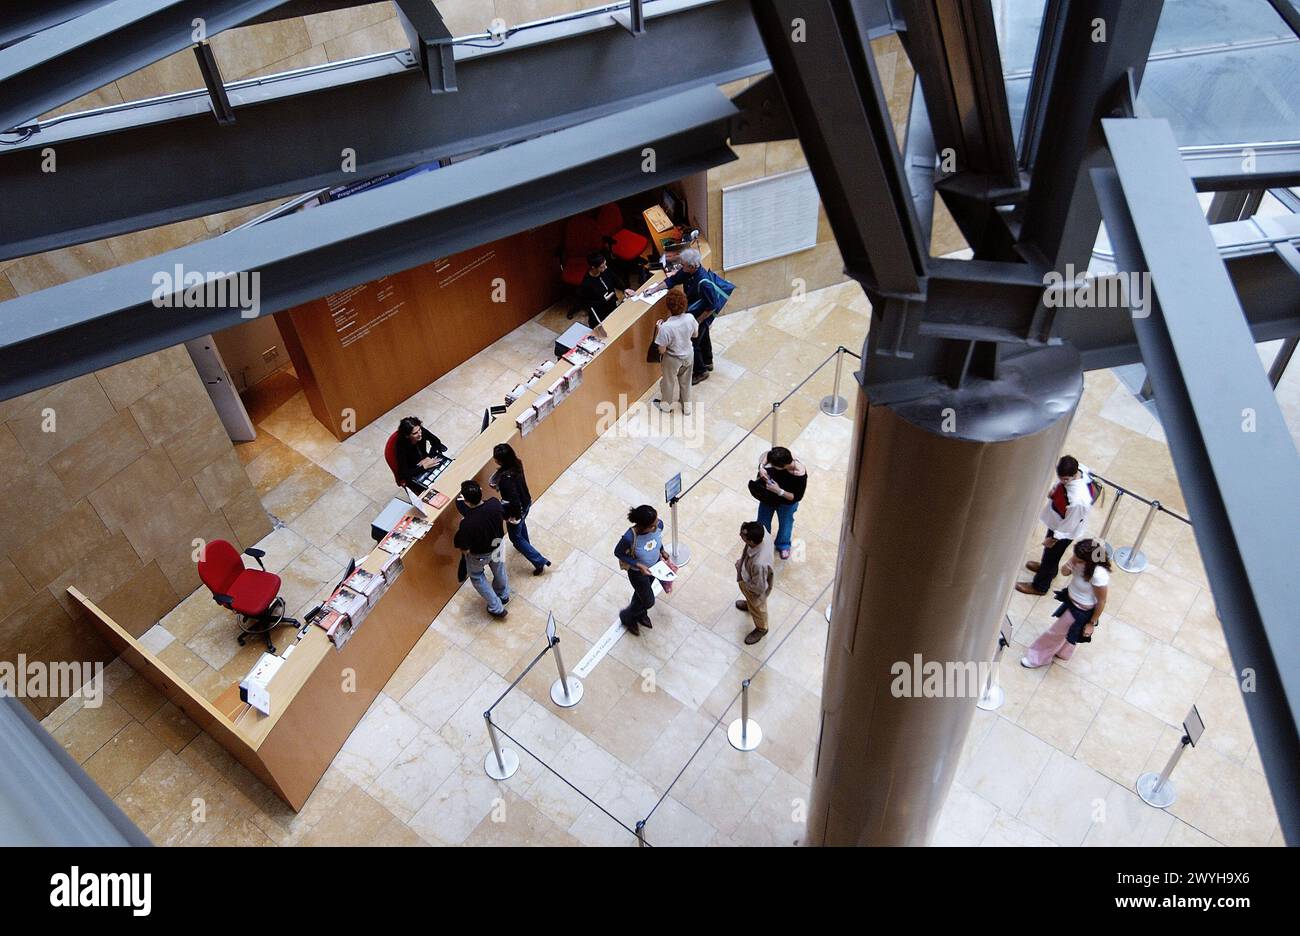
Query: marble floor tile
407	782
1006	766
1167	684
1067	799
1119	741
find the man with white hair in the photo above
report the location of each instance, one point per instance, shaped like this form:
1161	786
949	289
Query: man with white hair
707	293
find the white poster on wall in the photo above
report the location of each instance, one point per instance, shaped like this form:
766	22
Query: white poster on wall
767	218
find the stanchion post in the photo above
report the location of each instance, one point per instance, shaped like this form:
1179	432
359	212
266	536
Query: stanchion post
640	833
501	763
566	692
776	412
993	695
1110	518
836	405
1131	558
681	553
1156	789
744	733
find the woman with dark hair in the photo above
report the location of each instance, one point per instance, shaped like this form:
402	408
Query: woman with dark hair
1084	600
509	481
417	450
636	551
781	484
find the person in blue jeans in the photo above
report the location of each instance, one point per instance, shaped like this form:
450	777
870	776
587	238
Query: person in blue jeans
479	539
509	481
783	480
637	551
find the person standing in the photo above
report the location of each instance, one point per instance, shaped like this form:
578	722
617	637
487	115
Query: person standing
706	294
479	539
782	482
636	551
509	481
1066	517
754	576
1082	602
674	338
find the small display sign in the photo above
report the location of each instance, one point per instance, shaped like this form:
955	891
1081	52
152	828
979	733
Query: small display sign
673	487
1193	727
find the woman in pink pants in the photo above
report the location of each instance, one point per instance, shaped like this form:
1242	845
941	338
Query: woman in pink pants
1084	600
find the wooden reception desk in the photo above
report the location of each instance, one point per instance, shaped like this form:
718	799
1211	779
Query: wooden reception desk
320	694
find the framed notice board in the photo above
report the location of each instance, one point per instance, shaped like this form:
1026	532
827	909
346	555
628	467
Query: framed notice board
768	217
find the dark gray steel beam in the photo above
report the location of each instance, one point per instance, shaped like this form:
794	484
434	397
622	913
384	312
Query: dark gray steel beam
823	61
1236	462
1084	83
954	49
22	18
430	42
1248	166
1233	206
90	323
1282	360
1289	12
211	71
164	162
72	58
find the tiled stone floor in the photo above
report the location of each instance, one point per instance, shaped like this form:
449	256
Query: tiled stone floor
1055	765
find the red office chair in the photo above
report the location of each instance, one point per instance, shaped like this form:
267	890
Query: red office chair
581	238
390	456
625	245
253	594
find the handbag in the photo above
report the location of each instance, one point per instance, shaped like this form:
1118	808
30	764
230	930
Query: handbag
758	490
654	354
462	570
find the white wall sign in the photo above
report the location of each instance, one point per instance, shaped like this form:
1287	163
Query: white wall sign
767	218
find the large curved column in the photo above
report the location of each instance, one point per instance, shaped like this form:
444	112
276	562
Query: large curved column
943	492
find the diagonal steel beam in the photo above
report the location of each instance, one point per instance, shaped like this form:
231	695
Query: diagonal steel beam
1234	456
167	161
823	61
430	42
99	46
90	323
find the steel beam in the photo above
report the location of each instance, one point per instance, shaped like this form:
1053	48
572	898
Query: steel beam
1083	84
90	323
1236	462
22	18
99	46
823	61
166	161
1289	12
430	42
1246	166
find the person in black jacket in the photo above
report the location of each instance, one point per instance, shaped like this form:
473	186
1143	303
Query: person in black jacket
509	481
479	538
418	450
599	291
783	481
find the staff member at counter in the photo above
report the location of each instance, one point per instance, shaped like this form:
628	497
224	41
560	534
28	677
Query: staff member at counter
418	450
599	291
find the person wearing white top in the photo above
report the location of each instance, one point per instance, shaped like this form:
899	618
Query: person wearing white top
674	337
1066	517
1081	607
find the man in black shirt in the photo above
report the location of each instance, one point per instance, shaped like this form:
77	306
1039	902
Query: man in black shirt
599	291
418	450
479	538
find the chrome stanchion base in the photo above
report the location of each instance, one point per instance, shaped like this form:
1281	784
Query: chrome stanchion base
681	555
1130	561
753	735
1160	799
575	692
992	700
834	405
509	759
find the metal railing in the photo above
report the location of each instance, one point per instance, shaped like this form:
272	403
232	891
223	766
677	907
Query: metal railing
1131	558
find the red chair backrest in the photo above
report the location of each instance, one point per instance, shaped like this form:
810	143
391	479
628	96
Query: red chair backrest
581	236
390	456
609	220
220	566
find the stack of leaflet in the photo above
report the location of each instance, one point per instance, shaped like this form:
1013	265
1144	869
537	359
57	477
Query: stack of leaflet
370	584
404	535
344	613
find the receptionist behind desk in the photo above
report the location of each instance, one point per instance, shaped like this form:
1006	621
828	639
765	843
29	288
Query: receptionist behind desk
600	292
418	450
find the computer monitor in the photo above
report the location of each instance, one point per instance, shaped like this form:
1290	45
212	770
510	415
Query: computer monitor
669	202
